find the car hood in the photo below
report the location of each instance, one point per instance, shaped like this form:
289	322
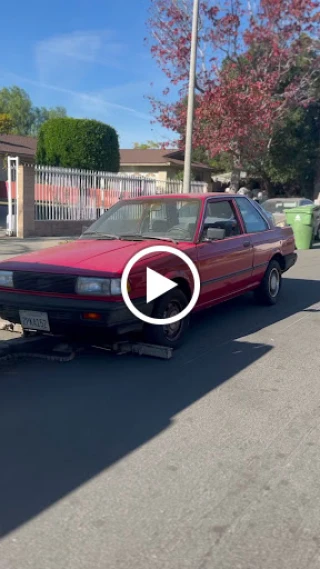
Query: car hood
85	256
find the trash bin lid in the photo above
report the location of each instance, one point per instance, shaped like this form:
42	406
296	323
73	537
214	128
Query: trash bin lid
302	208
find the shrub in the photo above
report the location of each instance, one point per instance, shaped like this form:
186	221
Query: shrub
78	143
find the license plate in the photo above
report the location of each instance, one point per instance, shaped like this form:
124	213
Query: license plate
32	320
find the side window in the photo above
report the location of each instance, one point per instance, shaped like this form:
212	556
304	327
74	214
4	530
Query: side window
220	215
253	221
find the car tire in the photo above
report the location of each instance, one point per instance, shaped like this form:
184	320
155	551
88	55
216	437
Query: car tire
168	305
269	289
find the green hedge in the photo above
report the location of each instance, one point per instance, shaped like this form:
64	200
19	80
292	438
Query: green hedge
78	143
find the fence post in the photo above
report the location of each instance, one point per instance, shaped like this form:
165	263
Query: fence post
25	200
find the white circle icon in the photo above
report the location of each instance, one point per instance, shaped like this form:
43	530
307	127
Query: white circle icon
157	285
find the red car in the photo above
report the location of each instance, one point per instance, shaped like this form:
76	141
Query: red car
75	287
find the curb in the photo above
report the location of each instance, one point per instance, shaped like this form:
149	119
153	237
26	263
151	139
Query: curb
7	326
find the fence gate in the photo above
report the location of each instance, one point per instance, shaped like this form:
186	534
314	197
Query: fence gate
12	189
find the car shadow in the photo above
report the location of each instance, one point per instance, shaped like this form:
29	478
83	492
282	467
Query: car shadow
61	425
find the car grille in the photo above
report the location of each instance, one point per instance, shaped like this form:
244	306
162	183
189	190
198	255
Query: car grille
44	282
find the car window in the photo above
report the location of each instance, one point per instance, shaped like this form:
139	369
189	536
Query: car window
130	211
220	215
188	210
154	217
278	206
306	202
253	221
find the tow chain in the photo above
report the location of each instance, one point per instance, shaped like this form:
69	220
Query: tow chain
47	357
60	352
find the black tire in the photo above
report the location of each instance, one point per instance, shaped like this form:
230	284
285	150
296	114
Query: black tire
270	287
171	336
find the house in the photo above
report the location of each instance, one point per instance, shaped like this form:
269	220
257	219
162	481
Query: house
152	163
12	145
161	164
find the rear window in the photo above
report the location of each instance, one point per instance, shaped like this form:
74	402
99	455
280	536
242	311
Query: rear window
279	206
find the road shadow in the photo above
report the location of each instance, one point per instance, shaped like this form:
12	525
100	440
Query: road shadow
61	425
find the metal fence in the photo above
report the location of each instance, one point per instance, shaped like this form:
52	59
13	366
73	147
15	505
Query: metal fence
71	195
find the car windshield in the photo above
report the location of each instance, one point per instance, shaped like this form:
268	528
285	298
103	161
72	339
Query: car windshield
169	219
278	206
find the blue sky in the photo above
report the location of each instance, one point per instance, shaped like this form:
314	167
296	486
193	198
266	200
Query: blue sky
88	56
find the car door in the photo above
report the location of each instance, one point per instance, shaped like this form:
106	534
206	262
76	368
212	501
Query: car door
263	236
225	265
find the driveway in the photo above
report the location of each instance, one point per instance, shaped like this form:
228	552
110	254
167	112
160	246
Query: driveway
208	461
13	246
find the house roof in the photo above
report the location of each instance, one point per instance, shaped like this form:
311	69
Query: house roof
25	146
151	156
155	157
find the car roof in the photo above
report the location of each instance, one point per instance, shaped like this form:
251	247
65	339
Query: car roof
279	199
190	196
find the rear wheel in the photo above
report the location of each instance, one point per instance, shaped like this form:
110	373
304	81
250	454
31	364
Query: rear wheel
269	289
170	335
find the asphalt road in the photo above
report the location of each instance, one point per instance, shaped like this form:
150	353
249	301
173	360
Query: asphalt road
208	461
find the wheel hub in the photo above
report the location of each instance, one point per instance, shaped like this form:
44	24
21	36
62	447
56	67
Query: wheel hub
172	330
274	283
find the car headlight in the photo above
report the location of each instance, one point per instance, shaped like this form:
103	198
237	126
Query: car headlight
281	224
6	279
99	286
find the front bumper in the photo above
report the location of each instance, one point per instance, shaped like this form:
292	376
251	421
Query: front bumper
66	314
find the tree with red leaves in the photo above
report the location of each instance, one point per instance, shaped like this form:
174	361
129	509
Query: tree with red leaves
256	62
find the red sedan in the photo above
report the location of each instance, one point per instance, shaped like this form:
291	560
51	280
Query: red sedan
76	287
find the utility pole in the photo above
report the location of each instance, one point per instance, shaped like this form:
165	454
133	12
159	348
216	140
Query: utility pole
190	112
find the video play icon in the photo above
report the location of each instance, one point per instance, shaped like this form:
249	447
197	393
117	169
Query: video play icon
157	285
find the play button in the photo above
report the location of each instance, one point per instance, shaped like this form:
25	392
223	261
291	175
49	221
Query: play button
157	285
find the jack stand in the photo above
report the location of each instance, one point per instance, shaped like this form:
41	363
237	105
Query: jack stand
140	349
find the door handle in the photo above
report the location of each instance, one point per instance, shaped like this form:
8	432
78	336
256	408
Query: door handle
247	244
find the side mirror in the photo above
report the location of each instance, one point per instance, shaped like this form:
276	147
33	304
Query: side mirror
215	234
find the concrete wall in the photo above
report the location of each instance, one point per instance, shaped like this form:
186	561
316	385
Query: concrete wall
146	171
59	228
165	173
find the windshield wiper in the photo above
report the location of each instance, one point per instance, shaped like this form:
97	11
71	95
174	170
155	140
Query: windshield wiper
141	237
160	238
100	235
131	237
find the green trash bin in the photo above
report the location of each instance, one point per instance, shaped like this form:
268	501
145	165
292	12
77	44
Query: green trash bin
301	220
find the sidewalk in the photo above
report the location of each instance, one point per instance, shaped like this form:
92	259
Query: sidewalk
12	246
